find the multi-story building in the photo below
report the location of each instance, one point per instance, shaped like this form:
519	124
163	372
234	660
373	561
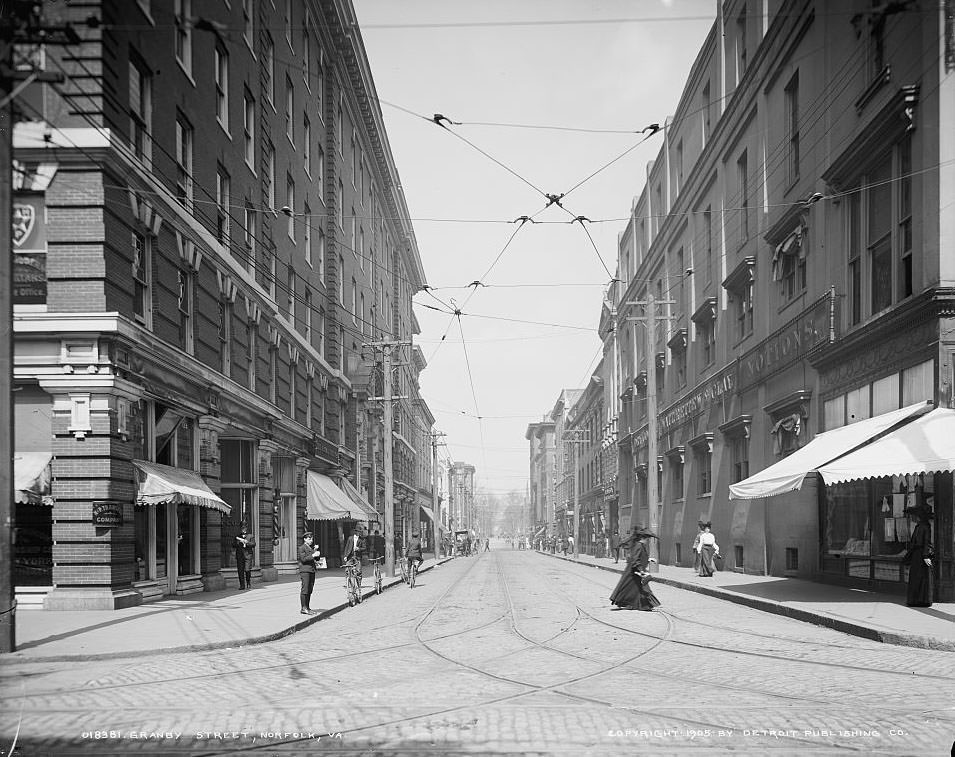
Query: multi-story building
798	228
582	440
540	435
461	496
563	476
210	224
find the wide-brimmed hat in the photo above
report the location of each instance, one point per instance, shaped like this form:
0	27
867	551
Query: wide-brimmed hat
644	533
920	511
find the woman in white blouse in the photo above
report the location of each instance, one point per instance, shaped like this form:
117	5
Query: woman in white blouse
708	551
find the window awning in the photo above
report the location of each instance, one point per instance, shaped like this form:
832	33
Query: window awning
787	475
354	496
31	478
427	511
163	484
926	445
324	500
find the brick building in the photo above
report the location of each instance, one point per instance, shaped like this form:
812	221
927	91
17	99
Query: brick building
211	232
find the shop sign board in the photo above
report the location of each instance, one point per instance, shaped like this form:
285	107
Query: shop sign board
701	399
29	249
107	514
810	329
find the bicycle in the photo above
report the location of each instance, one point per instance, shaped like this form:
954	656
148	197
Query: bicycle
403	567
353	583
375	562
412	572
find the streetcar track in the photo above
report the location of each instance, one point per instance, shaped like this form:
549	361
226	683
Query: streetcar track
714	648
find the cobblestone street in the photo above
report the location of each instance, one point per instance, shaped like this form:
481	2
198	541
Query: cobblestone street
507	653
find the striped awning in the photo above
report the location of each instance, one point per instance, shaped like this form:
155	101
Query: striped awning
163	484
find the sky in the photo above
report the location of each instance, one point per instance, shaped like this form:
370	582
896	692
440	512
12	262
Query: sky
584	70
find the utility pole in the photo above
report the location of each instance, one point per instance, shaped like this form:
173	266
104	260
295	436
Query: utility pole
387	399
650	322
576	437
435	501
22	25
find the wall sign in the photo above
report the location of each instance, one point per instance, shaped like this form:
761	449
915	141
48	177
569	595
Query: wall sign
107	514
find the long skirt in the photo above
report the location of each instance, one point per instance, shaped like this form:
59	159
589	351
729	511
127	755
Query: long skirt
707	565
634	592
919	592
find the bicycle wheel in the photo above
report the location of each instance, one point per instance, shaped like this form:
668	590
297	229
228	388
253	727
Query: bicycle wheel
377	579
412	575
358	593
404	570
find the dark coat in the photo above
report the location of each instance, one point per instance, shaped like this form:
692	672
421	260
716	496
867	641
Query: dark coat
306	563
632	589
920	588
614	541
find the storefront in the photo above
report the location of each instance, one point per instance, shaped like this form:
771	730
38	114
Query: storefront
331	514
872	472
33	561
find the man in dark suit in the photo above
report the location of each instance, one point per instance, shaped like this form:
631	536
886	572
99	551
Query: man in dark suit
615	545
352	547
307	553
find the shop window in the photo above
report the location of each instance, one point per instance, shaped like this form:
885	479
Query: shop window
790	418
738	554
239	488
792	559
918	383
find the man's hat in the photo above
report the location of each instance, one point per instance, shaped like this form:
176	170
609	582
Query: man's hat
920	511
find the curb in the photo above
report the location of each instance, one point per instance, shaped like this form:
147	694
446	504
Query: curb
234	643
806	616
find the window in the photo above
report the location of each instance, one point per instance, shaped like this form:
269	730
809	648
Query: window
740	46
361	248
738	553
291	294
792	559
268	155
678	169
292	387
184	162
142	278
792	125
290	202
341	280
789	417
307	146
250	242
354	301
341	205
321	332
705	112
704	475
239	488
676	475
309	401
307	234
742	184
880	266
225	336
677	345
307	52
341	123
184	301
140	109
268	70
222	87
740	284
248	23
273	373
183	13
705	320
252	354
288	22
321	255
289	110
307	321
222	206
361	313
739	458
353	241
708	242
248	130
320	179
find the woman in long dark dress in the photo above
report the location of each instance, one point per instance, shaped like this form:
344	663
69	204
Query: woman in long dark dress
918	555
709	549
633	590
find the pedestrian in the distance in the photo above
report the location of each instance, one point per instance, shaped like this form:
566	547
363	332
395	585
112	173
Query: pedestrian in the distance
615	545
633	591
696	546
244	546
709	549
487	545
918	556
570	544
307	554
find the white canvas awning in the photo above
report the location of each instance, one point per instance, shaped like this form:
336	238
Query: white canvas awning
31	478
352	492
163	484
324	500
787	475
926	445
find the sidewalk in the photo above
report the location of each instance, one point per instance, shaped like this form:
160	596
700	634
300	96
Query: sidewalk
209	620
869	614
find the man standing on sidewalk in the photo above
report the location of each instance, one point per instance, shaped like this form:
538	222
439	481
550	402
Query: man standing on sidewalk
307	553
615	545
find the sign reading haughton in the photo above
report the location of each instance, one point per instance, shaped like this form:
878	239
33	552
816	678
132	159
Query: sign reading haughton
792	342
107	514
